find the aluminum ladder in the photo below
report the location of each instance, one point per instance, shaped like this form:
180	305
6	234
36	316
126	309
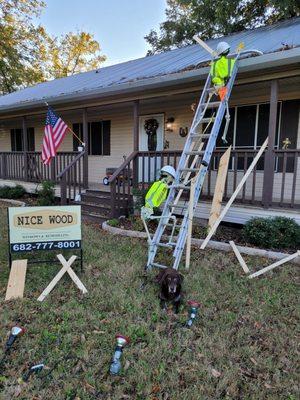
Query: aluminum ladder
194	159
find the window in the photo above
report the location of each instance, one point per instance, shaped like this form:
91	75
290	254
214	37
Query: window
248	129
16	138
99	137
249	126
245	126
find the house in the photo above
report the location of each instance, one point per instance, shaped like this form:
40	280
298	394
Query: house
111	108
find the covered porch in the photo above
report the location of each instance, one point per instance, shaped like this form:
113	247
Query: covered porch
268	108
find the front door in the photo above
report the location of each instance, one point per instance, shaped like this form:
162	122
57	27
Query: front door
151	139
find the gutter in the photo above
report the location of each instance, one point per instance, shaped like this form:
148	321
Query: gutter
270	60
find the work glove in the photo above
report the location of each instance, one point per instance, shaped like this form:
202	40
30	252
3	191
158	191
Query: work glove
146	213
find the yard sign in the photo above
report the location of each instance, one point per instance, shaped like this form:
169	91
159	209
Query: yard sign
44	228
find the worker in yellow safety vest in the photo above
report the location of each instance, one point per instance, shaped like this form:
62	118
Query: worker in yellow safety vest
221	68
158	191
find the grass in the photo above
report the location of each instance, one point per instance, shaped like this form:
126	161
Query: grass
243	345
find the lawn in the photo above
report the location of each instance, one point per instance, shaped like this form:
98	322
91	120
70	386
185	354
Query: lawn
243	345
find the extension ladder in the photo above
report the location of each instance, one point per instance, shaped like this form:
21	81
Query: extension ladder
195	160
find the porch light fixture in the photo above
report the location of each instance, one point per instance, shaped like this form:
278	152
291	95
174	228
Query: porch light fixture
169	124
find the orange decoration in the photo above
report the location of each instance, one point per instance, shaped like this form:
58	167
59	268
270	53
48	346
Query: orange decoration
222	92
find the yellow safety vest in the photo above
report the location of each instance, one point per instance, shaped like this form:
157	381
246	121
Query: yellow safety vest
221	69
157	194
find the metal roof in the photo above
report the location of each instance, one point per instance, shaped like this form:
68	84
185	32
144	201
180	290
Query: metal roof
269	39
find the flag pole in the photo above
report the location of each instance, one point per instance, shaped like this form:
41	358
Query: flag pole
73	133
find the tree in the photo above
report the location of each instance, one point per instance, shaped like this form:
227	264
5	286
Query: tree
19	39
72	53
29	55
211	19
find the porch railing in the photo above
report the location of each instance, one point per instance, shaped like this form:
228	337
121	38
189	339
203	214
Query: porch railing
142	168
71	180
29	167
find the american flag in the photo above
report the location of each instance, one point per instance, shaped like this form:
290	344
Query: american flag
55	130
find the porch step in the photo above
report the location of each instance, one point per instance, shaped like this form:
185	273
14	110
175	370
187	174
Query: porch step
96	218
100	193
98	209
95	199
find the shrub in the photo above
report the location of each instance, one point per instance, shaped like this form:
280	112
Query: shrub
276	232
113	222
46	196
138	199
137	224
15	192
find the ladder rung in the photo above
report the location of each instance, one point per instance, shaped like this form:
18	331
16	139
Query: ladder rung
181	186
172	244
206	120
171	225
178	205
189	169
214	104
200	135
195	153
158	265
211	90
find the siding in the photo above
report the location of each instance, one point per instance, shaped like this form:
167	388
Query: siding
178	107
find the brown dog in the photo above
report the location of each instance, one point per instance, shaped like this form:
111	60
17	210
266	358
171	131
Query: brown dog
170	282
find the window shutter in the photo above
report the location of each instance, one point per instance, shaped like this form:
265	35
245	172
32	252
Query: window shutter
106	137
13	139
77	128
31	139
96	138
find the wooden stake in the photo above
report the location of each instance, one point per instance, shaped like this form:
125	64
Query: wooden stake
190	222
66	268
232	198
274	265
239	257
205	46
219	188
16	281
72	275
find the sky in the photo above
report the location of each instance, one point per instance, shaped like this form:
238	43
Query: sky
118	25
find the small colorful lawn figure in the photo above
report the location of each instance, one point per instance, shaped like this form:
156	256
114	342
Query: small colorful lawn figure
115	366
193	312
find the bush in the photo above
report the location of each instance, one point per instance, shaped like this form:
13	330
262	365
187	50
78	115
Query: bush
136	224
113	222
15	192
276	232
46	196
138	199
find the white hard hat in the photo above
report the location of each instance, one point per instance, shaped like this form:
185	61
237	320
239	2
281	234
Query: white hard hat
222	48
168	170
